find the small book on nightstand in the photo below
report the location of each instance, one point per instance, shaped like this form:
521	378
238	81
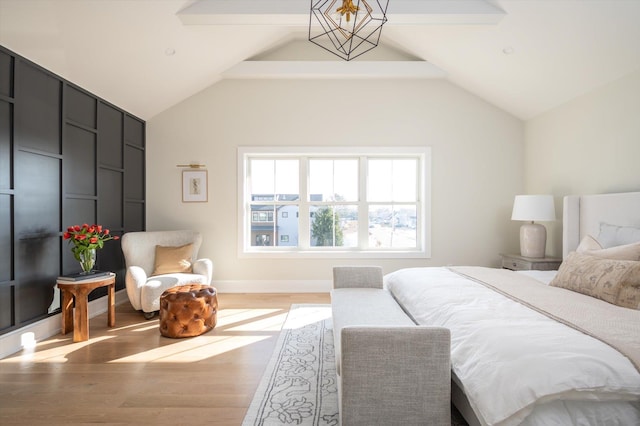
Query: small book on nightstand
81	276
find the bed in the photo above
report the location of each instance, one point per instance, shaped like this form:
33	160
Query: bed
530	348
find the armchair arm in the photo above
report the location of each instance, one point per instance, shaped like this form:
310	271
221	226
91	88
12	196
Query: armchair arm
134	280
204	267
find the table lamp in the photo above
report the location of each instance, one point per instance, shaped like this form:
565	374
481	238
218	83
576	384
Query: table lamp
533	236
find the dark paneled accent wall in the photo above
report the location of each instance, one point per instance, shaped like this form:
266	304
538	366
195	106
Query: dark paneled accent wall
67	157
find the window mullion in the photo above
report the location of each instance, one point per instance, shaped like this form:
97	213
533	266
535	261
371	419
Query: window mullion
363	205
418	203
304	225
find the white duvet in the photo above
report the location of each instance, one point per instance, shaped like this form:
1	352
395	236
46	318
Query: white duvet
518	366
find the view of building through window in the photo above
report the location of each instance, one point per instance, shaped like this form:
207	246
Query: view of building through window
334	202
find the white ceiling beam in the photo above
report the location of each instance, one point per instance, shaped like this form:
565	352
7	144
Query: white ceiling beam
333	69
296	12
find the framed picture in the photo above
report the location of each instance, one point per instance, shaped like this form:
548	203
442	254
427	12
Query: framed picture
194	186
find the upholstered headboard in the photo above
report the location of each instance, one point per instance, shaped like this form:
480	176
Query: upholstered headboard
582	215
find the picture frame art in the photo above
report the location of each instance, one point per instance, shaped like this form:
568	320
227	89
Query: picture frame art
194	186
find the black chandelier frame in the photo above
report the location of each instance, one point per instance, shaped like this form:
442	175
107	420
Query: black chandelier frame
338	35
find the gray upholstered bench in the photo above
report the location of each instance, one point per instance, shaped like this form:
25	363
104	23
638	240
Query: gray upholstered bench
390	371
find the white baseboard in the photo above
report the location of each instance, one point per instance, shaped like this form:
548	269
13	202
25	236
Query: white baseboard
27	336
273	286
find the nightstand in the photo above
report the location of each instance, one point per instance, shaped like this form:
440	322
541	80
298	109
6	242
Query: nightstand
515	262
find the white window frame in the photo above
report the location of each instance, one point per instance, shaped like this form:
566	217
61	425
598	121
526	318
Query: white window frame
423	228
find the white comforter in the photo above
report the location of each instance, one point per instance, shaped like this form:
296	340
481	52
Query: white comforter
518	366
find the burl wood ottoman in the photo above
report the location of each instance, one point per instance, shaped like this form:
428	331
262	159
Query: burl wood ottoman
188	310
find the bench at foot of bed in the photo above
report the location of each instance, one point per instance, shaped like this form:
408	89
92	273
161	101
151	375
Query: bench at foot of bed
390	371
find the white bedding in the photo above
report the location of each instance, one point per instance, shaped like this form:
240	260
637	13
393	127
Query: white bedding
518	366
544	277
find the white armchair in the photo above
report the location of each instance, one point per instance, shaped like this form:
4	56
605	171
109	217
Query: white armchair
139	250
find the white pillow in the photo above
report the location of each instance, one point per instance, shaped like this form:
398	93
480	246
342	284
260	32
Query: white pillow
613	235
589	245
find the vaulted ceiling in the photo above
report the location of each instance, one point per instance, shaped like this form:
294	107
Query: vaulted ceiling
525	57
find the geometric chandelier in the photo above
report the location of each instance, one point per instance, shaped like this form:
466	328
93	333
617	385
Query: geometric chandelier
348	28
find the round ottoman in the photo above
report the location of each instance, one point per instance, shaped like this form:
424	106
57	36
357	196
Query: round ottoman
188	310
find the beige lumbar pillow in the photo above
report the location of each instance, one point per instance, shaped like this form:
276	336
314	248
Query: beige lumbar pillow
611	280
171	260
590	245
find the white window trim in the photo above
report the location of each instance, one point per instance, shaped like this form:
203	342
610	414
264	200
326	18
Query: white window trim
245	250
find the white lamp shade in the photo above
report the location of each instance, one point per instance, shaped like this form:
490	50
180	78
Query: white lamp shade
533	207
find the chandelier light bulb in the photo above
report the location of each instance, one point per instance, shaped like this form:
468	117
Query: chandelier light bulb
347	9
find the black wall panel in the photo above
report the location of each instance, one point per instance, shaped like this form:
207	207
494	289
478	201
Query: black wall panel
6	242
6	195
66	157
133	216
38	259
37	225
6	152
111	172
134	177
80	107
37	108
80	162
6	74
110	137
37	199
77	211
134	131
6	306
134	183
110	205
7	283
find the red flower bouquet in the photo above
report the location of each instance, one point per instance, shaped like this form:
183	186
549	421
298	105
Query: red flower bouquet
85	240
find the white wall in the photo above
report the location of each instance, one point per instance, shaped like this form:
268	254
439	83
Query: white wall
590	145
477	155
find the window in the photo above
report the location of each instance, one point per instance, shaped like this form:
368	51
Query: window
262	216
334	202
263	240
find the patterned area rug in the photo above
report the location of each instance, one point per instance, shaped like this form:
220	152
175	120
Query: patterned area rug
299	384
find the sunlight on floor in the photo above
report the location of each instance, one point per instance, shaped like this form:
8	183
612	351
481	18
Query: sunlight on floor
223	340
301	317
250	316
28	340
192	349
137	326
271	323
152	326
235	328
56	354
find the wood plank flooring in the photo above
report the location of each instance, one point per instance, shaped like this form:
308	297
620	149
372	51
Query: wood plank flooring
130	374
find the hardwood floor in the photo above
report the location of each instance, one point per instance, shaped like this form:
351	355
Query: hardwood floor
130	374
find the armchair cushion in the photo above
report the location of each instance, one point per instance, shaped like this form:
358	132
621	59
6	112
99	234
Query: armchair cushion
171	260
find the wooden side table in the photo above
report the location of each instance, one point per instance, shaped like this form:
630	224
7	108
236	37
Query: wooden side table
516	262
78	320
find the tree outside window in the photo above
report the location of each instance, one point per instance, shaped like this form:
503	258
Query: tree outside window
325	229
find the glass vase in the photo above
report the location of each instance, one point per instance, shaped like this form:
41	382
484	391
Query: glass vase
87	260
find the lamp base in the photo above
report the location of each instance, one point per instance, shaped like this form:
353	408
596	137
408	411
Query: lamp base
533	240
